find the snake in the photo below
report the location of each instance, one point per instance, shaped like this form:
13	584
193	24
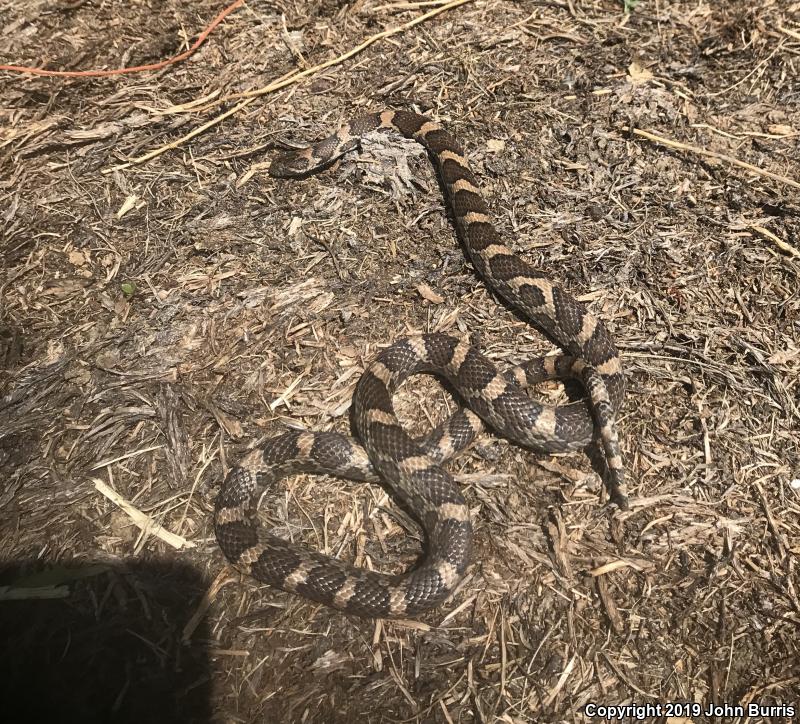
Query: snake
412	468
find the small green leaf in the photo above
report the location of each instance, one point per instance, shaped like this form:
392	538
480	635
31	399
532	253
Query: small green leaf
630	5
128	289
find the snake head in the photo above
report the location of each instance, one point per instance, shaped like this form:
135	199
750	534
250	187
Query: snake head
292	164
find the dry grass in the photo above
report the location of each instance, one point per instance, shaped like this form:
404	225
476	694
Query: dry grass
159	319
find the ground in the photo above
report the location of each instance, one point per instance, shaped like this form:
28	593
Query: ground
160	317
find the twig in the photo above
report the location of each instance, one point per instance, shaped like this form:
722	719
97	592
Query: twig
712	154
286	81
791	33
224	577
290	80
10	593
408	5
780	543
126	456
143	521
179	141
780	243
135	69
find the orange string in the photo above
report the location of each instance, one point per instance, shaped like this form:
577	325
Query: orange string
136	69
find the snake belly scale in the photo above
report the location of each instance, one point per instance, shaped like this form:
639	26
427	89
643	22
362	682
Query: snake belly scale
413	468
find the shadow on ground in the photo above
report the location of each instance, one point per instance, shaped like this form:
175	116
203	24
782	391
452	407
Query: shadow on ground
102	643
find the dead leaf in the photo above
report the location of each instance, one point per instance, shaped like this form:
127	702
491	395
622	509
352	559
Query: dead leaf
330	661
495	144
638	74
427	293
76	258
781	129
127	205
294	226
782	356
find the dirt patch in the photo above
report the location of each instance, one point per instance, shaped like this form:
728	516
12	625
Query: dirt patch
159	319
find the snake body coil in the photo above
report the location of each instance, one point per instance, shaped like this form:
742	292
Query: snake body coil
412	467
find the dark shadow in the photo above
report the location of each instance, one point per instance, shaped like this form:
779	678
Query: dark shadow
106	647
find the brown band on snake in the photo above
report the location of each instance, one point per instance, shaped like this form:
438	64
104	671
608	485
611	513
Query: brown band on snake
411	467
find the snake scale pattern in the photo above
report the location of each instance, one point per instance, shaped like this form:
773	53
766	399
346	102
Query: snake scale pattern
412	468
